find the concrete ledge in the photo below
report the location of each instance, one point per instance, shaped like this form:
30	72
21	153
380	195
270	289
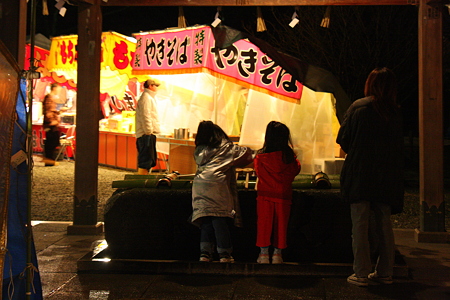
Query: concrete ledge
431	237
99	261
96	229
132	266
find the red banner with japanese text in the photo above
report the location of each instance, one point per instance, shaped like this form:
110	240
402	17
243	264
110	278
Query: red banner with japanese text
192	50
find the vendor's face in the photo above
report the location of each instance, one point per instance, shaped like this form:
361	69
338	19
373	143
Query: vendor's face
56	90
153	87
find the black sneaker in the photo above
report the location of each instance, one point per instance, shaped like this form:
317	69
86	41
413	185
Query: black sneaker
225	257
205	257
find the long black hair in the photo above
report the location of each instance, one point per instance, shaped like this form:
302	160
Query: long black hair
382	86
278	138
210	134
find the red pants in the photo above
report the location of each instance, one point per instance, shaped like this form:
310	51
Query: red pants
272	221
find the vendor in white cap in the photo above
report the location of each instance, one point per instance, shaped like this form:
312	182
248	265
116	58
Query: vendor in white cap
147	125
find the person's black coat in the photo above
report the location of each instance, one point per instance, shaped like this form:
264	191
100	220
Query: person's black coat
373	168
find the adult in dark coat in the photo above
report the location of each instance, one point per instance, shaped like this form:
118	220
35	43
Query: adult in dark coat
372	175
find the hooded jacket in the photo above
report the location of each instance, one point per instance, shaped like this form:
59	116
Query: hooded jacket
275	177
214	190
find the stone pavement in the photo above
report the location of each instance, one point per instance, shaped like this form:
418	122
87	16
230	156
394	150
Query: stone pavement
428	266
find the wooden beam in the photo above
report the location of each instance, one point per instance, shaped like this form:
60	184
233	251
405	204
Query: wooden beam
255	2
431	143
88	115
90	2
22	32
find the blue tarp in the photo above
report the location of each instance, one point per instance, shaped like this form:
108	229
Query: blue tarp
14	272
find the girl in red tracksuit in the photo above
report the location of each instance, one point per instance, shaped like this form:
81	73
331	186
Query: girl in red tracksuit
276	166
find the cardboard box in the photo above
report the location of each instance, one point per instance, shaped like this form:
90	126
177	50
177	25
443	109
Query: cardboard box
329	166
114	124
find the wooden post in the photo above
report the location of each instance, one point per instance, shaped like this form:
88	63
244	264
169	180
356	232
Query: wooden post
431	139
88	112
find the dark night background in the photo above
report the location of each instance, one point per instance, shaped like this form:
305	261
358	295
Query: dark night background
358	39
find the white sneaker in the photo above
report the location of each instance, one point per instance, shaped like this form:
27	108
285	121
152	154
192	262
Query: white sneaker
277	259
359	281
225	257
263	259
205	257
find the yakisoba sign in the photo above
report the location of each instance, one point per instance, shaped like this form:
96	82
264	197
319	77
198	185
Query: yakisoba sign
193	50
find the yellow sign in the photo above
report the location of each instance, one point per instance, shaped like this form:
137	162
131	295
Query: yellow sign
116	57
117	52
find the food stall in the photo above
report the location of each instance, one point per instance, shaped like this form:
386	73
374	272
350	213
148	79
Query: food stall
238	87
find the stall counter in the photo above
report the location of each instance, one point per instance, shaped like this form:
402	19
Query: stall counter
181	154
118	149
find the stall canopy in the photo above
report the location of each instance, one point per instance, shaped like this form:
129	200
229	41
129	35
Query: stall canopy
241	83
117	53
